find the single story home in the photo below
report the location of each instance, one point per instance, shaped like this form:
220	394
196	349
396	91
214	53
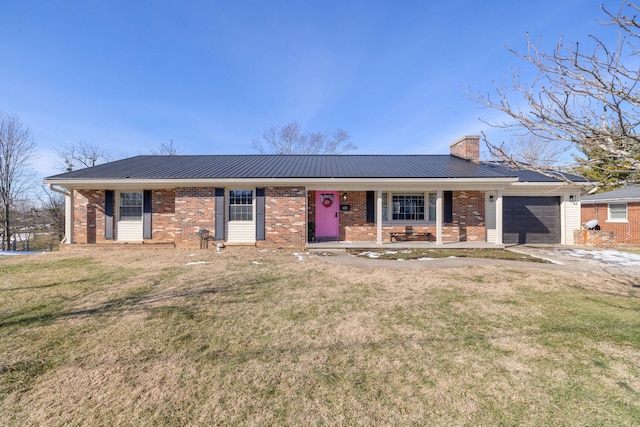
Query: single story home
616	211
291	200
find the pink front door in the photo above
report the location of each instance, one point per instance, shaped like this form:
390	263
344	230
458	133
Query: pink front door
327	217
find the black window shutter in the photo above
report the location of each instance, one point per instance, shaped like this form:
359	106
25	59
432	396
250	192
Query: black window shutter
108	214
260	233
147	208
371	206
219	214
448	207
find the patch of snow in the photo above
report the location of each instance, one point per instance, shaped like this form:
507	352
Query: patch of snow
408	251
370	254
611	257
197	262
11	253
257	262
299	256
425	259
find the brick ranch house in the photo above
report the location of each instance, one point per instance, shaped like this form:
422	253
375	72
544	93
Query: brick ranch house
290	200
617	212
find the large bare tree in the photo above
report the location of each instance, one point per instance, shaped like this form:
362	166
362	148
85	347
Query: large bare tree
82	155
17	150
289	139
582	97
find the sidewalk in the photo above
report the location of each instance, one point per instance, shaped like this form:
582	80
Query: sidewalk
586	261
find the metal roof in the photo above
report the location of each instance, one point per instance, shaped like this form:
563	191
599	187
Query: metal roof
286	166
525	175
630	194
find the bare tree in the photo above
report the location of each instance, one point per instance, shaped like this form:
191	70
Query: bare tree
82	155
167	149
289	139
532	151
581	98
51	215
17	150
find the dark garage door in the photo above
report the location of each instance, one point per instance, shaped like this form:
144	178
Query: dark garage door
531	220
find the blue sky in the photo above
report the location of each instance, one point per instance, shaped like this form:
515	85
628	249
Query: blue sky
210	75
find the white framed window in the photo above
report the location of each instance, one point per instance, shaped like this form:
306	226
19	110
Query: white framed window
130	206
617	212
408	207
240	205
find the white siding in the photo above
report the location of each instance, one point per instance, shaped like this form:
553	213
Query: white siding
490	218
129	231
241	232
571	212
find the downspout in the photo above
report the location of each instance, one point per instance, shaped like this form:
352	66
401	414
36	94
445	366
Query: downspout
68	212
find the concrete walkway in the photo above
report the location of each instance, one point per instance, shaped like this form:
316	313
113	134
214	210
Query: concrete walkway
401	245
586	261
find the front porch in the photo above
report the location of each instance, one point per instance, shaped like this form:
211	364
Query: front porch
409	218
401	245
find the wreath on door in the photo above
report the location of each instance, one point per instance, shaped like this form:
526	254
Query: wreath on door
327	200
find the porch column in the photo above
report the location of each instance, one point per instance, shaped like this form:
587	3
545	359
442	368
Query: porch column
439	216
379	218
499	218
68	218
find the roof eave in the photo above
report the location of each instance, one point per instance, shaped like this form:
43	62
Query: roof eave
126	183
611	200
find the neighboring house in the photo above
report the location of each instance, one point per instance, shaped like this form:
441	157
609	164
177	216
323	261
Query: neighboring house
616	211
288	200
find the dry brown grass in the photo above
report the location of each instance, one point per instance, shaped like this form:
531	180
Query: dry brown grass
249	337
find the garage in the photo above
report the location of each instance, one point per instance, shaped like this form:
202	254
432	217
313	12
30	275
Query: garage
534	220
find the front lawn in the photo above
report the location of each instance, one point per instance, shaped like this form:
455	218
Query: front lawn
262	337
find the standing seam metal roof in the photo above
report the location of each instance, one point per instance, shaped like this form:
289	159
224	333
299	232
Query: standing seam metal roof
288	166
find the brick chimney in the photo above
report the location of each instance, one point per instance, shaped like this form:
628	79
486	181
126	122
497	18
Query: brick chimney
467	147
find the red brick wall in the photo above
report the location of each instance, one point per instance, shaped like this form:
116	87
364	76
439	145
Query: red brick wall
88	216
179	214
626	232
353	223
194	210
285	218
163	216
468	216
168	225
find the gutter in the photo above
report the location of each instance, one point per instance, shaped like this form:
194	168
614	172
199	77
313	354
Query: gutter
59	190
609	200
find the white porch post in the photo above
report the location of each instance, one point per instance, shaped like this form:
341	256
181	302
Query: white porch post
68	218
379	218
499	218
439	216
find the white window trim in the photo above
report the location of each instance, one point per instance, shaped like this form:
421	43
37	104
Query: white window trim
253	205
118	204
618	220
391	222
